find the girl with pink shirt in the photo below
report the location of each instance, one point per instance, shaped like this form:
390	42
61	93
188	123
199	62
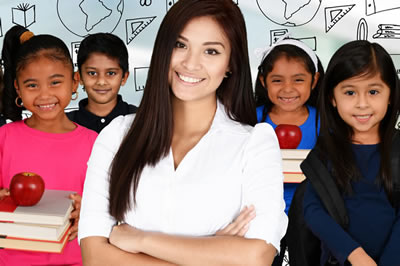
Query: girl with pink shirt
39	77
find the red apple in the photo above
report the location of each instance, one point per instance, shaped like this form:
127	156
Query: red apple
26	189
289	136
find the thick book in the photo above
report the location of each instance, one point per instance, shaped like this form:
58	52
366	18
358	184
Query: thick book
291	160
16	243
34	231
54	208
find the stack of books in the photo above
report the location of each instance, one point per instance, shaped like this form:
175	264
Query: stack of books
291	160
43	227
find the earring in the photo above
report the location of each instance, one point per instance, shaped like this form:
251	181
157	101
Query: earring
20	105
227	74
74	94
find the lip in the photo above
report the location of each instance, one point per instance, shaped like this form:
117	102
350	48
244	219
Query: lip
101	91
189	79
363	118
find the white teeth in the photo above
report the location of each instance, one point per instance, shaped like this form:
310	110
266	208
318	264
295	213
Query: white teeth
363	116
47	106
189	79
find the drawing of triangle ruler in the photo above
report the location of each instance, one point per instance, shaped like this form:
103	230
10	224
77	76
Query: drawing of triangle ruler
334	14
135	26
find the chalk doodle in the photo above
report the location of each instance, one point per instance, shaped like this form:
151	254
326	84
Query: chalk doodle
145	2
90	16
135	26
335	13
140	77
291	13
170	3
1	29
362	30
278	33
375	6
74	53
24	15
387	31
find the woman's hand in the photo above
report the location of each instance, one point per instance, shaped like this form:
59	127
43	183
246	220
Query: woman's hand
240	225
126	237
361	258
77	199
4	192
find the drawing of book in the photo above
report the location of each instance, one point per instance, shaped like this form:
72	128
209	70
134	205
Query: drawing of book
34	231
53	208
291	160
8	242
376	6
387	31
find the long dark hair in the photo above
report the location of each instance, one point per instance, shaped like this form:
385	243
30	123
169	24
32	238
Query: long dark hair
356	59
17	54
149	138
291	52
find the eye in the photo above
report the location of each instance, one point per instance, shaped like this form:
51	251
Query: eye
373	92
111	73
179	44
91	73
276	81
349	93
31	85
299	80
55	82
212	51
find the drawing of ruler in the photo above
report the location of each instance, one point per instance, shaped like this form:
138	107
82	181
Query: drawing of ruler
376	6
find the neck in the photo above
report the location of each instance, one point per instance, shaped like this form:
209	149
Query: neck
60	125
366	138
101	109
193	118
296	117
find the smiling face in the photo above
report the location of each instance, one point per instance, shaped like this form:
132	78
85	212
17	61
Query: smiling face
289	84
45	86
199	60
102	77
362	103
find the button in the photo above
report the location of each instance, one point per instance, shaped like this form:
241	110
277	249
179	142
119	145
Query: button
103	120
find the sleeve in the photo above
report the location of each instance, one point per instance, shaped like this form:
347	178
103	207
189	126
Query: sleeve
392	248
2	136
263	185
95	219
338	241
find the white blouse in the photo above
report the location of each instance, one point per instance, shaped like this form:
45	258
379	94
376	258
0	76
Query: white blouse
232	166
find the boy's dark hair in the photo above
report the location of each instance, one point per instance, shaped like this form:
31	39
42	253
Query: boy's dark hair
104	43
16	55
356	59
266	66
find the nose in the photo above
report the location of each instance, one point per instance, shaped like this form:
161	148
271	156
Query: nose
101	81
362	101
191	60
287	86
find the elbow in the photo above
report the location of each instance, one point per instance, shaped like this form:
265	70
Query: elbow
262	254
91	254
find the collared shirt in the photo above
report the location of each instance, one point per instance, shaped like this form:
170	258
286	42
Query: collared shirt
232	166
87	119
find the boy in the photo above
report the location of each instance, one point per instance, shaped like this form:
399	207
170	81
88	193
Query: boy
103	69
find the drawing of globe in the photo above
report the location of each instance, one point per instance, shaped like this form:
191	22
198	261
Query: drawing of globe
84	17
290	13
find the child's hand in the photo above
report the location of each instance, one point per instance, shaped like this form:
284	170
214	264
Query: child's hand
4	192
360	257
75	215
240	225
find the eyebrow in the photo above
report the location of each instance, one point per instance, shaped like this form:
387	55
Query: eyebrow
206	43
95	68
279	76
51	77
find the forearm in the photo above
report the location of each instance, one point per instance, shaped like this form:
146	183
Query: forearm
98	251
214	250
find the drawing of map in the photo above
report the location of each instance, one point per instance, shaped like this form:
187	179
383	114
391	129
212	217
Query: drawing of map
290	13
90	16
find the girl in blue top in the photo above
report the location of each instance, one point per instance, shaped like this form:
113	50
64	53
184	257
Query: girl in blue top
286	90
360	98
287	86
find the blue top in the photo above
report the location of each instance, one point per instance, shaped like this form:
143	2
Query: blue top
308	140
309	136
373	223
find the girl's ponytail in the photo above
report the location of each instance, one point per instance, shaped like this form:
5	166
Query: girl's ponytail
11	45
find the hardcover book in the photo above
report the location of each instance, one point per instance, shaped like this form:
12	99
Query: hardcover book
291	160
53	208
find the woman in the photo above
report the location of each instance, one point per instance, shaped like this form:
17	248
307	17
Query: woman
190	160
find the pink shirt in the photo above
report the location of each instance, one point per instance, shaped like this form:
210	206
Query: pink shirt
61	160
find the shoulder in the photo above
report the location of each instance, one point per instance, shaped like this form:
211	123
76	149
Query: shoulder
88	133
260	111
